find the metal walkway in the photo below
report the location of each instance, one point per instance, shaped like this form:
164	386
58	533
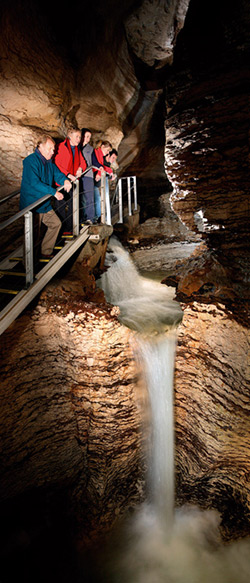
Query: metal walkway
21	278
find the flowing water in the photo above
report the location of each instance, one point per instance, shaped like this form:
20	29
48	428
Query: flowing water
145	305
157	355
158	544
148	307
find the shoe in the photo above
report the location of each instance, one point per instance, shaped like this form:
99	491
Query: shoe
88	222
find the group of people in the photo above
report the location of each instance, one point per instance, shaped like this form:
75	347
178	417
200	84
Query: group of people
49	168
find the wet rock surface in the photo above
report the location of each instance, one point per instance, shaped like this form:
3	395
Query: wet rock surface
70	421
71	412
212	414
163	257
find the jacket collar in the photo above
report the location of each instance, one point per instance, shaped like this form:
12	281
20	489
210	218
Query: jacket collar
44	161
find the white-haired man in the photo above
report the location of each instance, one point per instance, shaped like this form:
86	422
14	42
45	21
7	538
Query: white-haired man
40	175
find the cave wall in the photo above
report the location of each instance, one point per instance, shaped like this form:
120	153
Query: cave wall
44	88
71	422
122	77
36	87
207	136
212	381
52	76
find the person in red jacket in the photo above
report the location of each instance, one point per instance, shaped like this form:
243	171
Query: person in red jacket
70	161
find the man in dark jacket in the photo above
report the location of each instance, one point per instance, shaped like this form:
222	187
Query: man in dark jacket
39	176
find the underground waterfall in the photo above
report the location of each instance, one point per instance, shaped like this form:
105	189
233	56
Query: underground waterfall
148	308
158	543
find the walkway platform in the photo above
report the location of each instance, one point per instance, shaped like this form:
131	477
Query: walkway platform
21	280
25	296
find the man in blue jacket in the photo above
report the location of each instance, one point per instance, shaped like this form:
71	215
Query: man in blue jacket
39	176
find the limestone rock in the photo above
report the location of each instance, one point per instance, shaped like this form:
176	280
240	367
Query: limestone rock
152	29
216	168
70	420
42	93
212	414
162	258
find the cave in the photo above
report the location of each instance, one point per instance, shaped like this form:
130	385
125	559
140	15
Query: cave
167	83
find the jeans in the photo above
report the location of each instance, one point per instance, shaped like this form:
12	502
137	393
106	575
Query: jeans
87	206
97	203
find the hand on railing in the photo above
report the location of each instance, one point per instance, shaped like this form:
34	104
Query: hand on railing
72	177
77	175
78	172
37	202
59	195
67	185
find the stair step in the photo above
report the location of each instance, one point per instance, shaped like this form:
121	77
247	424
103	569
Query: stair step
9	272
9	291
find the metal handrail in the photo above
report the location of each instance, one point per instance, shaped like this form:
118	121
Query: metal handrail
46	197
34	282
24	211
28	225
9	196
120	195
38	202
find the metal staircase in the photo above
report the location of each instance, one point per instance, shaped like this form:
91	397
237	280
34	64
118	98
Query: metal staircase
22	276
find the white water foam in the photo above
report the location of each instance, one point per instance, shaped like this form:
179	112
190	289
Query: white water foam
145	305
142	551
148	307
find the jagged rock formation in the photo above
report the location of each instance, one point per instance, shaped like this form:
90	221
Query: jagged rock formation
207	143
70	427
212	383
162	20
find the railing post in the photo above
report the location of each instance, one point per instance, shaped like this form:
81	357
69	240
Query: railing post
75	211
107	200
135	193
129	197
28	248
120	200
103	180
